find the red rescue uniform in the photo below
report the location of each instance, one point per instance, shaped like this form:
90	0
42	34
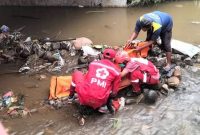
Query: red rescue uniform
94	88
142	71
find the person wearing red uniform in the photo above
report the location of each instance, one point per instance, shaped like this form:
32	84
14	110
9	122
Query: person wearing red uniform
139	70
102	80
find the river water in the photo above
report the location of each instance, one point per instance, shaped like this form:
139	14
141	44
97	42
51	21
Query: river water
176	114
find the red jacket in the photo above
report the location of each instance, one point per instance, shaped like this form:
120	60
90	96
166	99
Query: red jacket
102	78
142	71
145	67
141	64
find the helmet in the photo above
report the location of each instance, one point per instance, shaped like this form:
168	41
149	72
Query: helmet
150	96
121	56
109	53
145	22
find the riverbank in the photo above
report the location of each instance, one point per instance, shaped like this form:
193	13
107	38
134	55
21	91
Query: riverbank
81	3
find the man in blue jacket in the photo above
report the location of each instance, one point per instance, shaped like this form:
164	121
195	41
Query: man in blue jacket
157	24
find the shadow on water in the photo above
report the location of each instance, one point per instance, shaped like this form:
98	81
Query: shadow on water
178	113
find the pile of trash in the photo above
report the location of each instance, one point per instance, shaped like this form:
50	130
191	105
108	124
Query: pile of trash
13	105
43	54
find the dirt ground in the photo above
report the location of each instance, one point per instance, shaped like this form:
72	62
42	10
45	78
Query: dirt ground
35	91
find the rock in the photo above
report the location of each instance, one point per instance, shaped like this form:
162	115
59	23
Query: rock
198	60
27	40
153	59
65	45
37	49
92	58
55	46
82	41
47	46
165	87
63	53
176	58
49	56
40	133
33	110
177	71
173	81
81	121
161	62
7	57
188	61
130	101
42	77
155	51
82	60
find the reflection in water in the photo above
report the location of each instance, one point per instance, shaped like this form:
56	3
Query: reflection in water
197	3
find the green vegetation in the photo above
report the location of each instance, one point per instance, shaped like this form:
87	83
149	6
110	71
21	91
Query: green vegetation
145	2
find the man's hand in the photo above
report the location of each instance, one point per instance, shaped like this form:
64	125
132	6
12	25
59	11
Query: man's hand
128	42
133	44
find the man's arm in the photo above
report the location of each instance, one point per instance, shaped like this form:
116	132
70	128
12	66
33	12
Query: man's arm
133	36
124	73
116	85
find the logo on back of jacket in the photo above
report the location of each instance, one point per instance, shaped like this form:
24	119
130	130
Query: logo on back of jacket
101	76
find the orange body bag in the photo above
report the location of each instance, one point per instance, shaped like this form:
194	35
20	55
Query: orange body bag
59	86
132	53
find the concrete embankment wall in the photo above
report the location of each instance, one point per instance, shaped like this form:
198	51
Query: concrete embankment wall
80	3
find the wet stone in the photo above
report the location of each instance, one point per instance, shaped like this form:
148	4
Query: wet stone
55	46
177	58
177	71
49	56
42	77
63	53
40	133
188	61
197	60
65	45
196	119
173	81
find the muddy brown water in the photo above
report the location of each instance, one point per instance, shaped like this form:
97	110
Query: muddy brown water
177	114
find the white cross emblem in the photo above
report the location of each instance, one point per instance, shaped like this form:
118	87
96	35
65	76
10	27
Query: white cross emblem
102	73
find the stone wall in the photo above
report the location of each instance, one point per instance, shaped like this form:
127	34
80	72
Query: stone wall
80	3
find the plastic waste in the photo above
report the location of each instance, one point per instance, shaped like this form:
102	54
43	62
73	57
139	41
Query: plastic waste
7	99
4	28
103	109
28	39
61	61
87	50
122	103
185	48
24	69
